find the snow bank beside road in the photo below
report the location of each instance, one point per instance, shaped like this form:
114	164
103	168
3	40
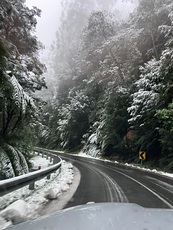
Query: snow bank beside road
39	161
59	182
82	154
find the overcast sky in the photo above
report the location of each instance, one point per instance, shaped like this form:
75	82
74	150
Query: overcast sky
48	23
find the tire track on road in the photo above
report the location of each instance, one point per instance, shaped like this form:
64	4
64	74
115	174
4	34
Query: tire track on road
115	191
141	184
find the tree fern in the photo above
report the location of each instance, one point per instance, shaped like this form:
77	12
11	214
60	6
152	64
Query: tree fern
21	99
23	163
6	168
17	160
20	75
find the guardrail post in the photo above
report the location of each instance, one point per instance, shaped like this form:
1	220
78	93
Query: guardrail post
31	186
55	160
48	177
7	186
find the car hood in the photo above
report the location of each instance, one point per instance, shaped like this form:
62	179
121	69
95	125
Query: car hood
104	216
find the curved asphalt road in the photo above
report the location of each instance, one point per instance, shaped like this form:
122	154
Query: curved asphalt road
109	182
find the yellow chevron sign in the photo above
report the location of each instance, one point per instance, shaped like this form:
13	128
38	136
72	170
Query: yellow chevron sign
142	155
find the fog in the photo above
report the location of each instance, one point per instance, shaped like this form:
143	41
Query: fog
49	21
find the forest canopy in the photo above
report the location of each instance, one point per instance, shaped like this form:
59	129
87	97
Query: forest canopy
20	76
113	80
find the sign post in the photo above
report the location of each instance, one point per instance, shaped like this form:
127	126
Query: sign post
142	156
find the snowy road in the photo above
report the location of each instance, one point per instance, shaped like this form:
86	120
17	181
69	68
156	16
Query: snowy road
100	181
105	181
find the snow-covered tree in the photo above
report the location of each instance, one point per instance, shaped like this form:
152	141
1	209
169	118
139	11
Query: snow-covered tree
123	69
113	124
152	92
101	59
21	72
149	16
72	121
151	102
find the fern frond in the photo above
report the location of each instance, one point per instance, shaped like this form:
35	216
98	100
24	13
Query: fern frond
23	163
14	158
17	160
21	99
6	168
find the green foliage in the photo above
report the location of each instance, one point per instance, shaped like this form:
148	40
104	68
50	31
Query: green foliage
20	75
72	121
114	122
115	80
165	118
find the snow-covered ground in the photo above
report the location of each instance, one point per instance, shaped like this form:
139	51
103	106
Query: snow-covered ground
26	202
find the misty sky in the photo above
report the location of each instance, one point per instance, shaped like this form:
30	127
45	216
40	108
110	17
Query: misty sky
48	23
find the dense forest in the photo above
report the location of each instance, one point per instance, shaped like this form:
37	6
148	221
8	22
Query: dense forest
113	81
20	76
110	77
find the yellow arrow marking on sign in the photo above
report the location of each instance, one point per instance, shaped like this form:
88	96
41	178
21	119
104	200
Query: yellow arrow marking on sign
142	155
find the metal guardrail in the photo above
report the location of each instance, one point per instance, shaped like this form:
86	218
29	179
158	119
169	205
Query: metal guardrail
9	185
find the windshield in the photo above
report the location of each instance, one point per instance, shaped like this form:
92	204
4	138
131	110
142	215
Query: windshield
85	105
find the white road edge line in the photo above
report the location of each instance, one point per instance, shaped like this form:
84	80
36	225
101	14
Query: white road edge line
150	190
